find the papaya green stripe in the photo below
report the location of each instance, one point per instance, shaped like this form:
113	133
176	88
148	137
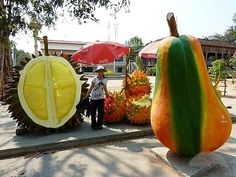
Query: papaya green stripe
195	90
185	96
158	75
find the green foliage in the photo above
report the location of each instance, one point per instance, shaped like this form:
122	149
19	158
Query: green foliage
233	65
110	73
218	68
139	62
233	62
234	18
135	44
234	75
151	71
15	15
20	55
228	36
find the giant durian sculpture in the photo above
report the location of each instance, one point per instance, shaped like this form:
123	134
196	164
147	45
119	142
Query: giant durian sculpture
43	94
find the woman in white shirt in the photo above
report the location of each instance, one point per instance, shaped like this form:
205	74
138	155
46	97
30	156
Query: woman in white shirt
97	88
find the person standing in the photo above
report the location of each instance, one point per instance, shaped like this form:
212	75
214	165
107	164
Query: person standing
97	89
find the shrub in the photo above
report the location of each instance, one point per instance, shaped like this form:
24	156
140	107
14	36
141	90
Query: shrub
151	71
110	73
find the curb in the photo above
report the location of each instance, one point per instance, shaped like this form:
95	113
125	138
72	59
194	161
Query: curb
167	164
21	151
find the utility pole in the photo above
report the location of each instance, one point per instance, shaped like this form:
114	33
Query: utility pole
114	15
116	28
109	31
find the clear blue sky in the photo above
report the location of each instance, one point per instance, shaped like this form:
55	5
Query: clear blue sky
147	19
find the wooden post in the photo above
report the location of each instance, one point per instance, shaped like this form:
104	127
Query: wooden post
127	70
45	41
225	80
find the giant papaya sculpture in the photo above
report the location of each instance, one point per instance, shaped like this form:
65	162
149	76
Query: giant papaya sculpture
186	114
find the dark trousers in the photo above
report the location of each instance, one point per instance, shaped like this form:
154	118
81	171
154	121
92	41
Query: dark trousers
97	105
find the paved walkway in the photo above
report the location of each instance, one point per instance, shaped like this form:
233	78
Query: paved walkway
12	145
131	158
230	98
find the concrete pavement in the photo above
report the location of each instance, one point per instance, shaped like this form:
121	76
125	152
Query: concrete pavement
12	145
130	158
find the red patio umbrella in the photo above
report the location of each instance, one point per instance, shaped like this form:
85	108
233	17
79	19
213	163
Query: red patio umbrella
100	53
150	50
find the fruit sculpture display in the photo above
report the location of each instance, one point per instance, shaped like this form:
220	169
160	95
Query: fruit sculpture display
114	106
43	93
138	111
186	115
137	84
131	102
137	92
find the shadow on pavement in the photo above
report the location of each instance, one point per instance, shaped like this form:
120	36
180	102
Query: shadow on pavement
105	160
139	146
229	96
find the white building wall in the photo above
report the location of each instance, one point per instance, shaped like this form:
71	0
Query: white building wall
70	47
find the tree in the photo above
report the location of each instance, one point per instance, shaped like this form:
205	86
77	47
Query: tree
21	54
218	69
228	36
136	44
233	65
233	62
218	72
234	18
152	70
16	15
139	62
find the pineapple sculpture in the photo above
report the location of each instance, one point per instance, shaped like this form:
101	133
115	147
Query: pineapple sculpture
42	94
137	84
137	89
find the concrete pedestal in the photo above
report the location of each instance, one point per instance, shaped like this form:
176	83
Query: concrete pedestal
213	163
